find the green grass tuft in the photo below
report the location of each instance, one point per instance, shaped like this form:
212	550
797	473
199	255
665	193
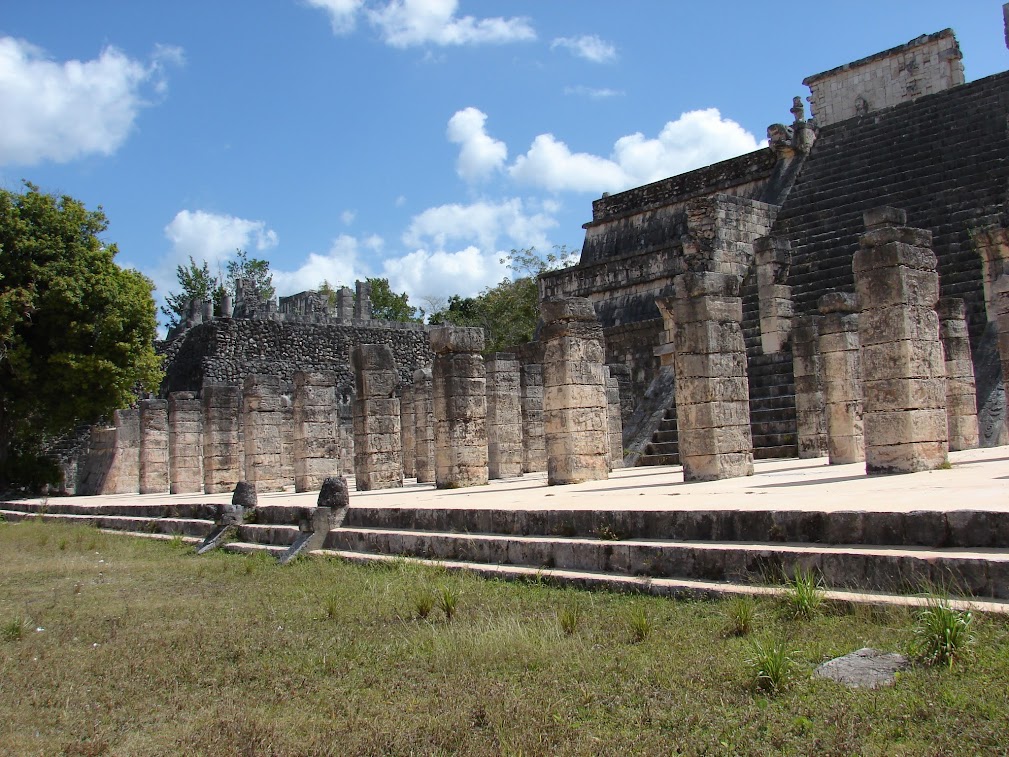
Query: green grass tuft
568	617
942	634
740	612
448	601
772	666
640	624
804	594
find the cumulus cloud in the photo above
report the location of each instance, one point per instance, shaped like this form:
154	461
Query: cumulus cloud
426	274
60	111
485	225
339	265
588	46
214	237
342	13
409	23
348	217
697	138
479	153
593	92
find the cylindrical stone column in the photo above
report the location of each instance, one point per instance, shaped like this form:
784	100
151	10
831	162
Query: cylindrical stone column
504	416
153	446
614	423
408	426
316	430
262	424
842	377
222	420
574	392
423	414
903	370
712	392
534	446
378	450
961	399
459	387
185	443
810	407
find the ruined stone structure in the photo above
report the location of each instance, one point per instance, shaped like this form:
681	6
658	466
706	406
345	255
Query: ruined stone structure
223	458
841	364
317	451
459	387
263	426
185	443
153	446
423	416
378	444
504	416
534	451
113	465
408	425
961	406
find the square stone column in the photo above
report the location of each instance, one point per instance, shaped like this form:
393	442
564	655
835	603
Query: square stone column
316	430
185	443
408	425
153	446
842	377
286	434
712	393
772	256
534	449
961	392
223	457
113	461
614	423
810	406
459	384
574	392
903	370
262	423
378	442
423	416
504	416
993	246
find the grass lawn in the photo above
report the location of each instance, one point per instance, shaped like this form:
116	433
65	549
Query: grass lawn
118	645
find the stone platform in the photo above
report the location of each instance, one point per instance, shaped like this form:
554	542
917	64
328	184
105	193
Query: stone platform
644	528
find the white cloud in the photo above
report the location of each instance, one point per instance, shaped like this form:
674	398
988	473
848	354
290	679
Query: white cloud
340	265
433	274
588	46
479	154
697	138
214	237
485	225
342	13
348	217
409	23
63	111
594	93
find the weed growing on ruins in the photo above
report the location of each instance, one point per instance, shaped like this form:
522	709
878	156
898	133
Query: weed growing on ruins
568	617
771	664
423	602
804	593
640	624
16	628
739	614
448	601
942	634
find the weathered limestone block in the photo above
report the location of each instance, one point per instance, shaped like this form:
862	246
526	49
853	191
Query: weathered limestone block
615	424
316	430
459	388
576	419
534	450
423	415
903	370
378	441
408	425
842	377
362	302
961	399
223	455
263	421
993	246
153	446
810	406
113	461
772	256
286	436
504	416
185	443
712	393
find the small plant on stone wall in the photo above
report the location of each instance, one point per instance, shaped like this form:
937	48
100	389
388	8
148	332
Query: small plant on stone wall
423	602
942	634
804	593
16	628
640	624
448	601
739	614
568	617
772	666
606	532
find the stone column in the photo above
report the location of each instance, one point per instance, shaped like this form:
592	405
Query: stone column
113	462
287	436
223	458
262	424
842	377
961	399
712	393
772	257
423	415
362	302
185	443
614	423
408	426
993	246
378	443
810	407
574	392
903	370
316	430
504	416
534	449
344	305
345	411
459	386
153	446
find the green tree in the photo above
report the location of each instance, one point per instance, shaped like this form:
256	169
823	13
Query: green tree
196	283
77	330
386	305
256	270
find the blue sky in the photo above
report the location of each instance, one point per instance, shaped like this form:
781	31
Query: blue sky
413	139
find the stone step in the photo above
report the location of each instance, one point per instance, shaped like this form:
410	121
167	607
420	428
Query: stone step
79	506
141	525
281	536
853	567
248	548
670	459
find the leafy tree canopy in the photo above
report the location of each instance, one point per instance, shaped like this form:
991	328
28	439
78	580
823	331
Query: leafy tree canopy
196	283
255	270
386	305
77	331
